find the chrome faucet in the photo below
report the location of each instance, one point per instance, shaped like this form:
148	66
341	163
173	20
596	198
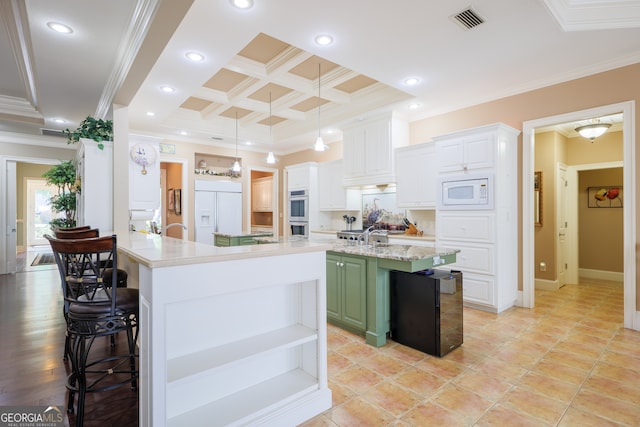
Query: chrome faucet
174	224
368	232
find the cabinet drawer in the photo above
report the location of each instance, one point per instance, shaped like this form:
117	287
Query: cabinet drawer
477	227
475	258
477	288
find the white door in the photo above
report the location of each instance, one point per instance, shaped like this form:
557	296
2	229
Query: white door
39	211
562	225
11	212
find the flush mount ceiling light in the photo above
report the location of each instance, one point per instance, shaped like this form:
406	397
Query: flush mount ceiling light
242	4
593	130
324	39
59	28
194	56
236	165
319	145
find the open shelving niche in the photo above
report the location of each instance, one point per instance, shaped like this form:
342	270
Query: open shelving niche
247	371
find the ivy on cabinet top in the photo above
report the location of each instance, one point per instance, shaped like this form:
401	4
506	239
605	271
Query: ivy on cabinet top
91	128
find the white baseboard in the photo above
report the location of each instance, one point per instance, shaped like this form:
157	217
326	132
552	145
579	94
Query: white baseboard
613	276
547	285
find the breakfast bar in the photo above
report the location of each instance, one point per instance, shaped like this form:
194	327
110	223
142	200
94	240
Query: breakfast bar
229	335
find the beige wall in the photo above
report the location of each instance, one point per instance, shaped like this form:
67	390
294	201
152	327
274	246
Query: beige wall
600	229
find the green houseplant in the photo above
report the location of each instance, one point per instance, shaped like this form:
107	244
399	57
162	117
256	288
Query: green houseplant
63	176
97	129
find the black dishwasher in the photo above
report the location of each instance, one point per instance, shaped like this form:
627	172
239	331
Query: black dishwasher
426	310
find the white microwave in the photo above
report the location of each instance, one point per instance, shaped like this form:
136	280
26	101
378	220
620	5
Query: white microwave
465	192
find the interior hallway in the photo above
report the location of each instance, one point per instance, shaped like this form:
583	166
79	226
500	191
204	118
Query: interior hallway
568	362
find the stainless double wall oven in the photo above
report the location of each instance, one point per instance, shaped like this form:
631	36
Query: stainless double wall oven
299	212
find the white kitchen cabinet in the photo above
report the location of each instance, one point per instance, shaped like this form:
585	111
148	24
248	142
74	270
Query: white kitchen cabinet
94	169
332	195
487	239
416	176
144	182
368	150
299	175
261	194
466	152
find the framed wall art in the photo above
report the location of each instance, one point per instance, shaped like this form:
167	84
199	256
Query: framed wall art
604	196
177	202
170	199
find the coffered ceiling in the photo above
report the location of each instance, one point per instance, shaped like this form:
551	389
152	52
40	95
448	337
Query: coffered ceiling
259	77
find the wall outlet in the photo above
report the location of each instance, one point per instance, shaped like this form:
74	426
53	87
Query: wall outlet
543	266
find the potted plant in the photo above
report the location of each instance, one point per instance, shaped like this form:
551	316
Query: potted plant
96	129
63	176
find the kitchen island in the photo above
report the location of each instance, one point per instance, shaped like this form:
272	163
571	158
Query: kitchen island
225	239
229	336
358	281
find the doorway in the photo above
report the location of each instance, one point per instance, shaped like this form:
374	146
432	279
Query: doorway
629	210
38	211
263	213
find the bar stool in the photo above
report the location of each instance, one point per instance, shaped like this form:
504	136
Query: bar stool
95	309
86	232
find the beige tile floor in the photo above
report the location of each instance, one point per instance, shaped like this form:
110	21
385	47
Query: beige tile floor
567	362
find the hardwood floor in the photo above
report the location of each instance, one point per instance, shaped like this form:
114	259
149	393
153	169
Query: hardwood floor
32	330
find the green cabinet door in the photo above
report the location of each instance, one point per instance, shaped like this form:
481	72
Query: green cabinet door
354	292
347	291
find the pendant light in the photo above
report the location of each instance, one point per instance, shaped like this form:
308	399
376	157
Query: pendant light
270	157
319	145
236	165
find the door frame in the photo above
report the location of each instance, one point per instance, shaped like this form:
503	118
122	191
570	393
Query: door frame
184	195
8	191
274	195
631	317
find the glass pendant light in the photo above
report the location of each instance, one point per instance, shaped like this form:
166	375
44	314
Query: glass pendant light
271	159
236	165
319	145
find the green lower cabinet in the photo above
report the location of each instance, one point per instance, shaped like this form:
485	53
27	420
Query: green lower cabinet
347	292
219	240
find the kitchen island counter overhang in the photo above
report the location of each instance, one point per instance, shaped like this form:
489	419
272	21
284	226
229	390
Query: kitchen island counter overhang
233	335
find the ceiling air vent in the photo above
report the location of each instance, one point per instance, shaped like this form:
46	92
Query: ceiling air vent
468	19
52	132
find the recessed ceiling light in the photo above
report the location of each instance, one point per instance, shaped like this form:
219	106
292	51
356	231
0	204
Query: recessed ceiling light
195	56
324	39
150	113
60	28
248	143
411	81
167	89
59	120
242	4
415	105
183	132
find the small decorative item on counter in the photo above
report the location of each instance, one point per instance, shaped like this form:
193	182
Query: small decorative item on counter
411	228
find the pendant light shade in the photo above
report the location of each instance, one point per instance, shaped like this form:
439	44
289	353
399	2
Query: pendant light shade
271	159
319	145
236	165
593	130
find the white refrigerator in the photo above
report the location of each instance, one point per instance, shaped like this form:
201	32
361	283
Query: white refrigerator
218	206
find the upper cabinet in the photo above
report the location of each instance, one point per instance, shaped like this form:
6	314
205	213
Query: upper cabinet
332	195
416	176
144	172
466	152
368	150
261	194
299	176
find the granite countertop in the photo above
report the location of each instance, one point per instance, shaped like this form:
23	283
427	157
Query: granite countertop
391	251
403	236
257	234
